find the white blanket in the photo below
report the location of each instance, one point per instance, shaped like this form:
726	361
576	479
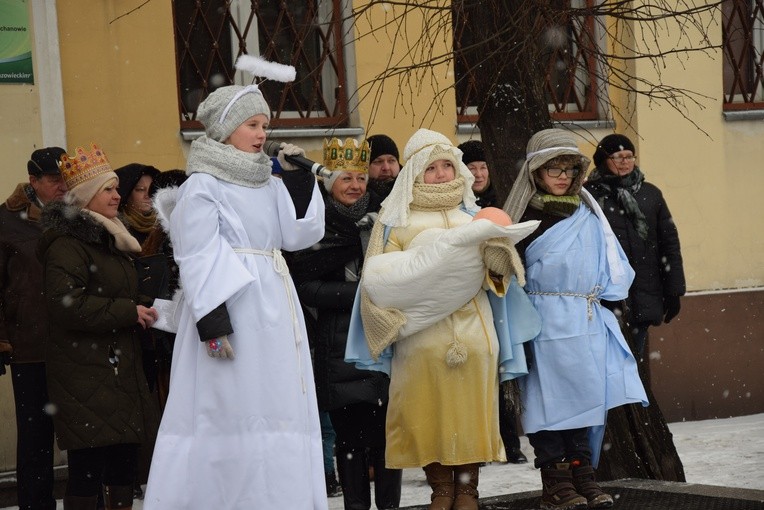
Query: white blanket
438	273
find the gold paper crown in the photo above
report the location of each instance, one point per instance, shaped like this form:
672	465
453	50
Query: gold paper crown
83	166
346	158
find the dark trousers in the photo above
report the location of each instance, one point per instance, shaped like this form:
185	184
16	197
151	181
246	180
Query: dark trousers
360	444
92	468
550	446
508	424
34	429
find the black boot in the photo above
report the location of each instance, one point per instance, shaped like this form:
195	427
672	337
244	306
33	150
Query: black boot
118	496
333	488
354	478
387	482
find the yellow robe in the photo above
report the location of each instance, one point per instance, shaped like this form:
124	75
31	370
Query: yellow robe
439	413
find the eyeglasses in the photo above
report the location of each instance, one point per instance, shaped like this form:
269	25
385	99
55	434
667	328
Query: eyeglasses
621	159
557	172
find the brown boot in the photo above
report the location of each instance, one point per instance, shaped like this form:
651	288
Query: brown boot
118	497
466	483
586	485
559	493
441	479
80	502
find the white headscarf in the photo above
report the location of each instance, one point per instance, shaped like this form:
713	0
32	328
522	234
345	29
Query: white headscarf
424	147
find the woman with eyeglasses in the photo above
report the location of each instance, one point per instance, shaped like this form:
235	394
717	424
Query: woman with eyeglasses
642	222
580	365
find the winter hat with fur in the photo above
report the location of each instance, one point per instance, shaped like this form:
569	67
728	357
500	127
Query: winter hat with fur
85	173
228	107
472	151
610	145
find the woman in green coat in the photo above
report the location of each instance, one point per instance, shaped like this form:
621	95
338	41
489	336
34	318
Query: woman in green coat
100	399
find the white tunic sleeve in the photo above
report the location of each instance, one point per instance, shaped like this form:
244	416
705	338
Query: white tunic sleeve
210	271
305	232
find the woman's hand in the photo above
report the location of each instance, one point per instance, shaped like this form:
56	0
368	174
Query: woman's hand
147	316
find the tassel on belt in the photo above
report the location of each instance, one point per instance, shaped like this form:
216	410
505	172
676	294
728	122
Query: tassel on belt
591	298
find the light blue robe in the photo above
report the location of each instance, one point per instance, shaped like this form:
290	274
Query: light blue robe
582	365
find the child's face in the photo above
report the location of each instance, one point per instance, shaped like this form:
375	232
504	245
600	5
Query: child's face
439	171
250	135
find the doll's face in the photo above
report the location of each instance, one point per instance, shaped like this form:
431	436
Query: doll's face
250	135
439	171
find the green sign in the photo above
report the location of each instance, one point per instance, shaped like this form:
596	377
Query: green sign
15	42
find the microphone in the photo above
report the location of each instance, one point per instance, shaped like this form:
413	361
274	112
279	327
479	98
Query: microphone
272	148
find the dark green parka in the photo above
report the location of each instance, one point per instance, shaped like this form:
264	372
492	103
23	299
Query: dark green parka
95	376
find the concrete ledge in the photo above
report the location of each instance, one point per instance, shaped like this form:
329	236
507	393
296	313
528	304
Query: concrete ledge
636	494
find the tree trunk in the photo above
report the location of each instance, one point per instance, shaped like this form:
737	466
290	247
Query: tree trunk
638	443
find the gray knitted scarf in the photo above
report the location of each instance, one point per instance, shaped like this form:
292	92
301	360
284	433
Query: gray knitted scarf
229	164
626	188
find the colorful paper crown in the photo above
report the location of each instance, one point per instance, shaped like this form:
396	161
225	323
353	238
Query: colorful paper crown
83	166
346	158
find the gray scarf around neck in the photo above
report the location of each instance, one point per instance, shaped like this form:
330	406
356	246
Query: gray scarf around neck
229	164
625	188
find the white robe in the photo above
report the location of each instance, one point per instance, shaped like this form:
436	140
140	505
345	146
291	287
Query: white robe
242	433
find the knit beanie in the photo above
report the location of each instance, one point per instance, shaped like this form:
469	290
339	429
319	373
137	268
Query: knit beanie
381	145
472	151
227	108
610	145
344	158
129	175
85	173
45	161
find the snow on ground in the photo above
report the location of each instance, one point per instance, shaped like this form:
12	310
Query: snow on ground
726	452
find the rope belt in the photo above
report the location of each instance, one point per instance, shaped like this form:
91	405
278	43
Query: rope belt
280	266
591	298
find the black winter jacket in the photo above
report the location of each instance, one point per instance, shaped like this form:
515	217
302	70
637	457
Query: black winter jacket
657	261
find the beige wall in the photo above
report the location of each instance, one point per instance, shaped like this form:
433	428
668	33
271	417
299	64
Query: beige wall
119	80
412	101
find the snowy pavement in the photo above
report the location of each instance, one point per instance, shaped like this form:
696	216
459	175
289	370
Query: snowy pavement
725	452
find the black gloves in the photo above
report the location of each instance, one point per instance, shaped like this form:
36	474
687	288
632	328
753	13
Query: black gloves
671	308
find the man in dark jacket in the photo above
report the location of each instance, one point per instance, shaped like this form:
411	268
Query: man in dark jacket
642	222
24	325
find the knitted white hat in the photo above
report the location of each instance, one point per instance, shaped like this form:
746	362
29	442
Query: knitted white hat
228	107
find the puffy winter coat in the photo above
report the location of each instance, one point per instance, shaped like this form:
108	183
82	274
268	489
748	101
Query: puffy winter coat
94	366
23	319
656	260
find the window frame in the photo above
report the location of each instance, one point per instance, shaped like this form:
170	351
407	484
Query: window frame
743	56
330	110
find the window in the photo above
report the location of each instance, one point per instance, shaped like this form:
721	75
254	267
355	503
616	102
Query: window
570	71
743	33
210	35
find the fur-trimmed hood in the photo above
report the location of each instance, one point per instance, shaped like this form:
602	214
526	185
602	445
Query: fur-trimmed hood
61	219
